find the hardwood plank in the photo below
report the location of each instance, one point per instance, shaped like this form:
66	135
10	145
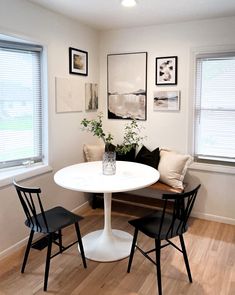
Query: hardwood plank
210	246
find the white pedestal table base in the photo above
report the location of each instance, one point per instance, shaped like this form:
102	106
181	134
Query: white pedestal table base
99	246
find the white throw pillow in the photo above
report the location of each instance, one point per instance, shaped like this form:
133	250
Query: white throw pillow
173	167
93	152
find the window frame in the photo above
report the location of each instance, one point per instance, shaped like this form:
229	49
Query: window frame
207	164
21	46
33	169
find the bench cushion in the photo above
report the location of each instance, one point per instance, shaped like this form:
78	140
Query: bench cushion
93	152
148	157
173	167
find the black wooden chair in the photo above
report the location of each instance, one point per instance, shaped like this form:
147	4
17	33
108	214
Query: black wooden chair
165	225
49	222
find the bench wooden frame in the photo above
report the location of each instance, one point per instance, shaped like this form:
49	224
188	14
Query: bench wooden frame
140	200
160	186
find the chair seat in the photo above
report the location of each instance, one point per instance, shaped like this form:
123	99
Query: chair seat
57	218
150	225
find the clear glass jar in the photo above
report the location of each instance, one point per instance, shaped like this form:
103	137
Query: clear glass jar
109	163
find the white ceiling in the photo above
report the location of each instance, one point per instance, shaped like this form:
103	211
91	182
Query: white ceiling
109	14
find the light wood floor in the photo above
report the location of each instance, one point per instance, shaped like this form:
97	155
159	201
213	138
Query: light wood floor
211	251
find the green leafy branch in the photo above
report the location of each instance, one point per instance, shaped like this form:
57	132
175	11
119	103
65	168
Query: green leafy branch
131	137
95	127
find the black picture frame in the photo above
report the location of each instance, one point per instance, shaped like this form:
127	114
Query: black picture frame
127	85
78	61
166	70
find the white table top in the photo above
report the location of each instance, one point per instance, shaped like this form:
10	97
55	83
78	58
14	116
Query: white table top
88	177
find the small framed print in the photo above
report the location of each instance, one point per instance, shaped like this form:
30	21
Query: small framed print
166	100
78	61
91	97
166	70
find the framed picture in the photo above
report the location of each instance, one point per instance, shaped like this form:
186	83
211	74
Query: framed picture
78	61
166	101
91	96
166	70
127	84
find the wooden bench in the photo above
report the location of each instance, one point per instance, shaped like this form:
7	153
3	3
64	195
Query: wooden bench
139	199
160	186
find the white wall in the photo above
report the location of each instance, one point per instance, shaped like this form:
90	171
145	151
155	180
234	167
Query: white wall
23	19
57	34
172	129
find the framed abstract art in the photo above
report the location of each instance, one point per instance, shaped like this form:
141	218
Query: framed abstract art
166	70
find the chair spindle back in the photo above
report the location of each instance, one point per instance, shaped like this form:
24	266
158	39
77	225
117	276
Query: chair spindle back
32	205
182	207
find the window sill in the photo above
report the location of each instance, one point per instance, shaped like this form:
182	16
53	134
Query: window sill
21	173
212	168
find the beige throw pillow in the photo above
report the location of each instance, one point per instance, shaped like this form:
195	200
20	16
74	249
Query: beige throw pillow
93	152
173	167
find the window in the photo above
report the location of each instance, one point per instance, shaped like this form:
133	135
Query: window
214	140
20	104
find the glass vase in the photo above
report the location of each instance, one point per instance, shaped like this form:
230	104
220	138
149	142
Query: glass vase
109	163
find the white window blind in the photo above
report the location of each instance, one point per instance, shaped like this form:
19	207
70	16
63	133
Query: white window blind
215	108
20	104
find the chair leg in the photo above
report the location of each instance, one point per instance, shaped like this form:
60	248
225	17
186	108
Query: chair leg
94	201
60	241
27	251
158	265
47	267
185	258
132	250
80	244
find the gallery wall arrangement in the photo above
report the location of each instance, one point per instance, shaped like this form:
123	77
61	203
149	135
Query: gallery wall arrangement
126	85
72	93
166	75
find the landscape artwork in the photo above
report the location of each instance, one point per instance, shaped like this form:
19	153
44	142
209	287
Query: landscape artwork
91	96
166	101
127	80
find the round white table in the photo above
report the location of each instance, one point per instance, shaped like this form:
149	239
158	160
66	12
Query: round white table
107	244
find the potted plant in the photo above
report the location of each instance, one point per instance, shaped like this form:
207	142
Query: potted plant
131	136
